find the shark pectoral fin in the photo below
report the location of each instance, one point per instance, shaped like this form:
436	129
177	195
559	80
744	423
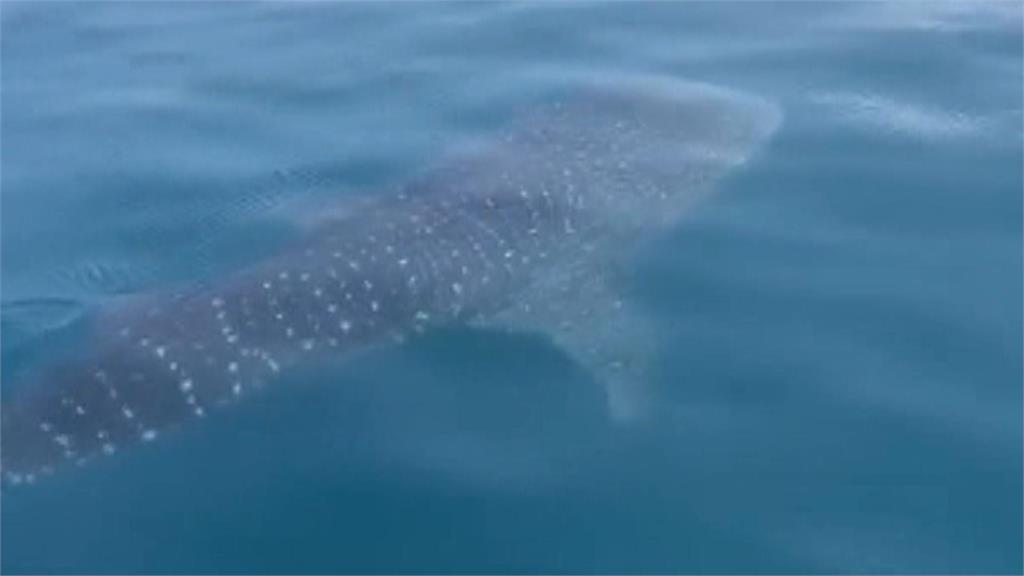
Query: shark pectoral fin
591	323
617	346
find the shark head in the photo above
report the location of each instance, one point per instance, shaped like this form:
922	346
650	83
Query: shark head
641	149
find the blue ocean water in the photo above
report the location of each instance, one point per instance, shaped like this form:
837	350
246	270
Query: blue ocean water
840	380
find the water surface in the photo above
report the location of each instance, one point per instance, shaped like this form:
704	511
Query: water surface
840	381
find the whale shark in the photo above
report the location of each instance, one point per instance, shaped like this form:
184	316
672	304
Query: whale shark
527	231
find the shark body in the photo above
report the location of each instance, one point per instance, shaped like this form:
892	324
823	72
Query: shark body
524	233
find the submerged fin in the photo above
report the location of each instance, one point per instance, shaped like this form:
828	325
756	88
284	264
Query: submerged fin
588	319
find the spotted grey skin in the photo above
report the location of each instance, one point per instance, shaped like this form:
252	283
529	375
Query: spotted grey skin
522	233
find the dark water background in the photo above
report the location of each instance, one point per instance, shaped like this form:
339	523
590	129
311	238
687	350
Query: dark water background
841	375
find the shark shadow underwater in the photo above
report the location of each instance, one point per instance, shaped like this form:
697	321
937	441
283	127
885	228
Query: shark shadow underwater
525	233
